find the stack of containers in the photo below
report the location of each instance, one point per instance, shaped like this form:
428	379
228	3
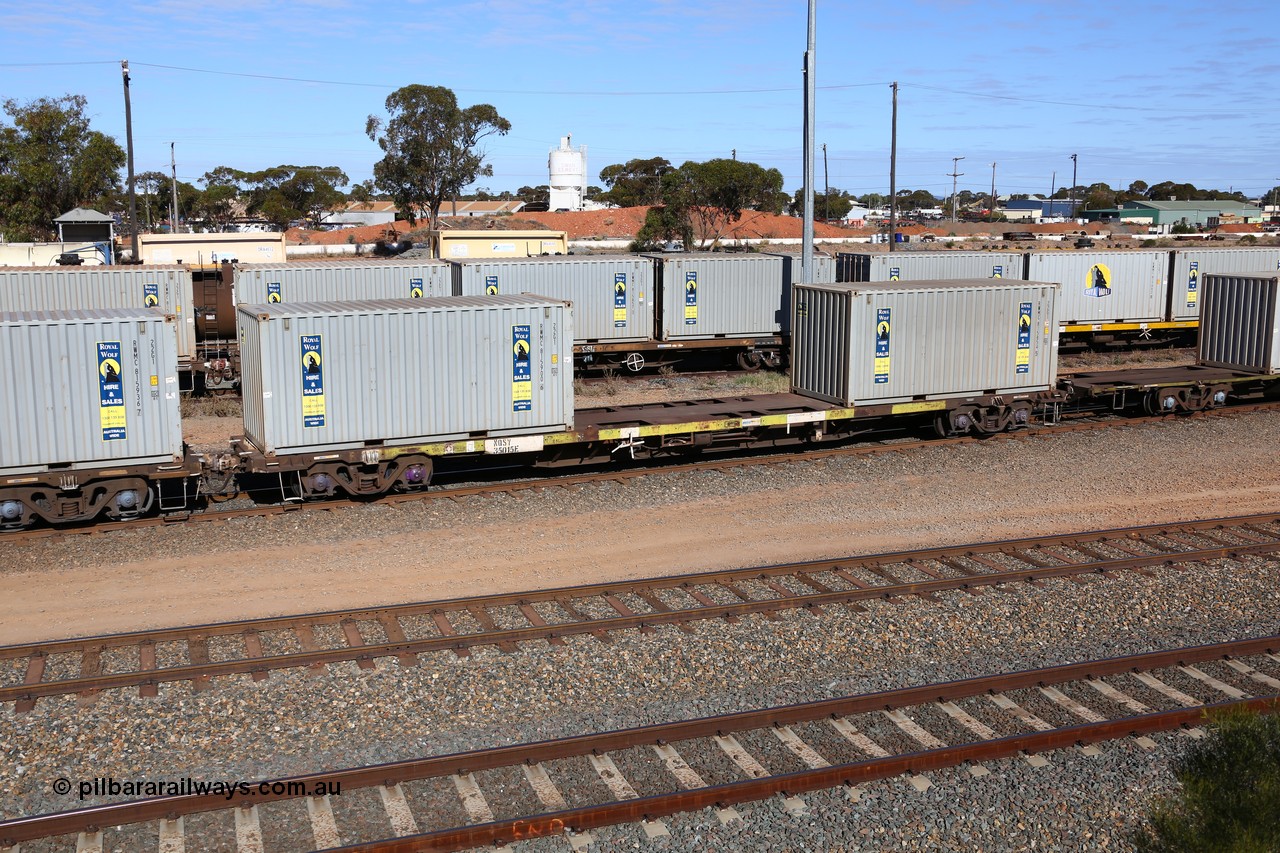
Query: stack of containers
892	342
1240	322
325	376
334	281
166	288
1117	286
88	389
707	295
1189	266
612	295
928	266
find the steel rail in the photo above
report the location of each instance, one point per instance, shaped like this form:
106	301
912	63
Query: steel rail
676	581
566	481
93	818
850	774
34	690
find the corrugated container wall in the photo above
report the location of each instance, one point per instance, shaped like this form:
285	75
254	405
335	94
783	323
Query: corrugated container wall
327	376
167	288
707	295
1240	322
88	389
1191	265
340	281
870	343
1106	287
612	295
928	266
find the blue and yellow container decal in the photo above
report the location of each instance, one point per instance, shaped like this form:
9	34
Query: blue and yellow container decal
691	298
491	285
521	370
111	409
312	381
997	271
619	300
1023	359
273	292
895	273
883	327
1193	284
415	288
1098	282
151	294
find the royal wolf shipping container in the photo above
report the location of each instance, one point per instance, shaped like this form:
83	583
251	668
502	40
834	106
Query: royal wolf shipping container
325	376
88	389
1106	287
612	295
890	342
928	266
167	288
1189	266
1240	321
706	295
341	281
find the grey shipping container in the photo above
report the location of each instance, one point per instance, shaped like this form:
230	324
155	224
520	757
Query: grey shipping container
339	281
167	288
890	342
706	295
322	376
1189	266
88	389
1105	287
1240	321
928	266
612	295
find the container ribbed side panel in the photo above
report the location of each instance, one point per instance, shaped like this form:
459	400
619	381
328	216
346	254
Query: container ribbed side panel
333	281
1106	286
929	266
1190	266
405	371
166	288
52	397
1239	325
600	311
735	296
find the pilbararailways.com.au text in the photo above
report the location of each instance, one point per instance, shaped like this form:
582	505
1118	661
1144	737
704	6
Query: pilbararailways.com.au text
109	786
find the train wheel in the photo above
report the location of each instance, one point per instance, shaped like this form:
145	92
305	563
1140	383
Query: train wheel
1163	401
750	360
959	421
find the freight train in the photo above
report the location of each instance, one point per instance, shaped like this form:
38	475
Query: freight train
634	312
365	398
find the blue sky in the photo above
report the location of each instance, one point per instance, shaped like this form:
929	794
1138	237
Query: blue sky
1173	90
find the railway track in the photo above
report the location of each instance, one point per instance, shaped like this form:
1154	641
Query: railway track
572	785
197	654
896	444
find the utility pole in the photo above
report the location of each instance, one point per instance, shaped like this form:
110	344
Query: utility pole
893	171
1053	188
955	161
806	257
733	152
826	187
1072	195
128	129
991	214
173	205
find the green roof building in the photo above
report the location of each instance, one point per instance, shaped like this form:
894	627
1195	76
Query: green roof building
1205	214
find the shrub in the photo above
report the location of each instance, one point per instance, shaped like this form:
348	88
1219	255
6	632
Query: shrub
1229	797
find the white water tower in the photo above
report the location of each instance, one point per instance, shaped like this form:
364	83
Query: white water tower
568	175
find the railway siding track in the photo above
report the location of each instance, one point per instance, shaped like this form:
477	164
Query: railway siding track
197	654
579	782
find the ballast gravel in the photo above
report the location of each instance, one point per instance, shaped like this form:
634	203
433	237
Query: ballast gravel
300	721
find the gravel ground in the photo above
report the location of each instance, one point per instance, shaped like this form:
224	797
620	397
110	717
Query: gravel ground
298	722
